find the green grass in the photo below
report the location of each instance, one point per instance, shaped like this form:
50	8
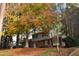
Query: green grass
46	53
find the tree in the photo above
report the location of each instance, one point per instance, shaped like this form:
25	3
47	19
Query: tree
2	10
24	17
70	18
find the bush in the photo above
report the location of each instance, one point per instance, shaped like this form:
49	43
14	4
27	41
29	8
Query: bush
70	42
76	40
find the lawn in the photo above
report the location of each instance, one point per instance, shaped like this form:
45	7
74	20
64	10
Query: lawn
47	53
35	52
54	52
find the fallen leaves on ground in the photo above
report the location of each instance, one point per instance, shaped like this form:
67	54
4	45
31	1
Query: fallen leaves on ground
35	52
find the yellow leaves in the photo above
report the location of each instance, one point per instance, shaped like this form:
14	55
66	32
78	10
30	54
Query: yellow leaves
37	23
11	16
1	33
11	28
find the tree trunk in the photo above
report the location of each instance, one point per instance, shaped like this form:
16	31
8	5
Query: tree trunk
2	10
58	44
17	42
34	44
26	43
10	42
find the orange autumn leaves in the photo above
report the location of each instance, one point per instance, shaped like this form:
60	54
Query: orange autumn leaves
21	17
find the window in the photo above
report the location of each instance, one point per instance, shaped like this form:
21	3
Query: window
35	36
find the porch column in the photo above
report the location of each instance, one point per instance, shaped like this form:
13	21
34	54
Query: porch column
50	42
34	44
46	43
27	43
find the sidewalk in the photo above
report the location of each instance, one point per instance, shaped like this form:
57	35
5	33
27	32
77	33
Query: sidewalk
72	53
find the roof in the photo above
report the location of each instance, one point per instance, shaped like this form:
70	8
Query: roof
40	33
40	39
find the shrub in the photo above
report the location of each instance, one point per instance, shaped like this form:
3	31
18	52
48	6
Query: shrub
71	42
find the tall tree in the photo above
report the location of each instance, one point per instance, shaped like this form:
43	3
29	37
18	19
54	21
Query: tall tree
24	17
2	11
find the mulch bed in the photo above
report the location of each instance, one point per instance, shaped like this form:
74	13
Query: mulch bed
28	51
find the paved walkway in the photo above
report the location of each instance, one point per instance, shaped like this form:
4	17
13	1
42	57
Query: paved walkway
75	50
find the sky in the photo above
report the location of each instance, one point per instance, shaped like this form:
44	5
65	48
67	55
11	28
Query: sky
60	7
